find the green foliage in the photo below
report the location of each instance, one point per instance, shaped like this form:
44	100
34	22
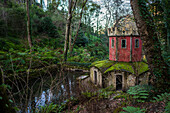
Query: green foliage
46	26
13	22
10	42
117	110
5	86
56	108
48	108
130	109
100	94
81	55
139	93
125	96
88	94
82	39
167	107
162	97
98	47
64	105
18	61
105	93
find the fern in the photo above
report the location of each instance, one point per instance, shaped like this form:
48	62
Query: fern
162	97
139	93
130	109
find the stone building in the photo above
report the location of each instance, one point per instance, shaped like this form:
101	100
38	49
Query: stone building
124	67
121	75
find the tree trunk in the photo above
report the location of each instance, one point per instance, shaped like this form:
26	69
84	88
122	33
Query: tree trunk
41	3
68	25
70	37
151	44
28	27
78	27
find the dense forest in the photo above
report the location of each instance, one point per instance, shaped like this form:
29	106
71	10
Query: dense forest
41	39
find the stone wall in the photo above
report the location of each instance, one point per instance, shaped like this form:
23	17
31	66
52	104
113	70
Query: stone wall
131	80
144	78
128	79
111	79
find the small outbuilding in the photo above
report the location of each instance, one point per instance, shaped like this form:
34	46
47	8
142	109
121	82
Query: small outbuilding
124	67
121	75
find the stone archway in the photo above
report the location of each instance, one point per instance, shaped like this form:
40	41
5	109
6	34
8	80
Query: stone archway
118	82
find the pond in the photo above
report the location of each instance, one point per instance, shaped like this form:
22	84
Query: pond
53	88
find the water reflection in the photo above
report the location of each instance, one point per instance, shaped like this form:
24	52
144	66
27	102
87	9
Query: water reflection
58	91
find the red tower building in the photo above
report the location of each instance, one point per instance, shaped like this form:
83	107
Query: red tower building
124	43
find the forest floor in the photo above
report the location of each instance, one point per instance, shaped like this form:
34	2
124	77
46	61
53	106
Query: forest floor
106	102
112	105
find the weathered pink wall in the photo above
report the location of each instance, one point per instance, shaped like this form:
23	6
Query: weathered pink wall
124	53
112	51
136	52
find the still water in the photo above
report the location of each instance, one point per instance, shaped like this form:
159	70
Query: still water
54	88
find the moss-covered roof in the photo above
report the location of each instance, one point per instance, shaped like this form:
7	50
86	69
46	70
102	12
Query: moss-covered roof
103	63
107	66
123	66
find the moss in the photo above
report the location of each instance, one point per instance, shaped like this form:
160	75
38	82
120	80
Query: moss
128	66
103	64
141	66
122	66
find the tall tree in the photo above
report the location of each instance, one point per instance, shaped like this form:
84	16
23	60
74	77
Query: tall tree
68	25
41	3
147	31
28	26
71	8
84	3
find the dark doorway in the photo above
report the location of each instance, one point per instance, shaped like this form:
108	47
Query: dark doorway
118	82
95	77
